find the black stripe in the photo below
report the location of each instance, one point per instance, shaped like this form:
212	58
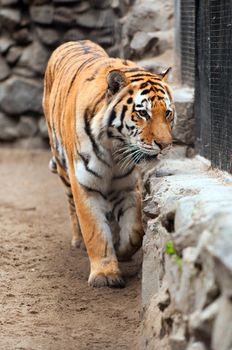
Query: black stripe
124	109
93	142
144	92
155	83
114	197
145	74
116	204
89	133
89	60
70	196
106	246
91	237
65	181
110	193
143	85
112	136
120	213
111	118
137	79
58	161
85	48
89	189
159	90
124	175
97	103
86	163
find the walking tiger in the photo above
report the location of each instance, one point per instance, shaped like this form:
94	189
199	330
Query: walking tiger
104	116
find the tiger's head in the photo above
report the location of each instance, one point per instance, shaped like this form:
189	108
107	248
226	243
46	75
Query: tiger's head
141	112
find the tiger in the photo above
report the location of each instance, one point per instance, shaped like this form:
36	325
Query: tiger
105	117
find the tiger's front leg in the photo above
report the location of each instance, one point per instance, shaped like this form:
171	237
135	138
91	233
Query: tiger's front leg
128	214
91	211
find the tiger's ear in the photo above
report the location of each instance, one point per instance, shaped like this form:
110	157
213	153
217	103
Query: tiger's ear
116	81
165	73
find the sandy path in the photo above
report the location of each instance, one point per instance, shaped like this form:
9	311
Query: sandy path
45	302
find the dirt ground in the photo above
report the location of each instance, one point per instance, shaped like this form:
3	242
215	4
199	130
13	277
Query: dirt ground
45	302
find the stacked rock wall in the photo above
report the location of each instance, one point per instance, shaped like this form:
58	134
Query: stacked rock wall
187	260
29	32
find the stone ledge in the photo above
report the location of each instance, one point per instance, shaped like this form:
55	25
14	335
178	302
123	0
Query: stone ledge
187	267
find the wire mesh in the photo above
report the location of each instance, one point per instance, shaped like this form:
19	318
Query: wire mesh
212	60
187	25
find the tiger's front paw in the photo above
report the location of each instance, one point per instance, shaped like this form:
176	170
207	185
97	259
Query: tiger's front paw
112	280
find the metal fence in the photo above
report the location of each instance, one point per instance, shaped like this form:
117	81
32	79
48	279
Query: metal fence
210	63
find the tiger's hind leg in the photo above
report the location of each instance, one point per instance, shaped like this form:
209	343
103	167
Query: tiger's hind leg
127	211
56	167
76	231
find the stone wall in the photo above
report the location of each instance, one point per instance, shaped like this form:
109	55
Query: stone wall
30	30
187	263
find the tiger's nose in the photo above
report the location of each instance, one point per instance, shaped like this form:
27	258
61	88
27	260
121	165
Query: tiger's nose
163	144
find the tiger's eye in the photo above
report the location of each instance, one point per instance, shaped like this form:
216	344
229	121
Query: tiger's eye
144	114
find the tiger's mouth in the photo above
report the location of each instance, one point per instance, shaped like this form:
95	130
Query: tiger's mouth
146	156
130	154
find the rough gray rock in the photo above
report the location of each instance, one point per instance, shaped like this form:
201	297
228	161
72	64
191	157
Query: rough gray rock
50	37
8	128
154	326
42	14
66	1
43	128
22	36
74	34
193	209
150	43
222	336
148	16
8	2
100	4
152	265
184	129
27	126
20	95
5	44
13	55
4	69
34	57
65	16
196	346
9	18
23	72
143	42
96	19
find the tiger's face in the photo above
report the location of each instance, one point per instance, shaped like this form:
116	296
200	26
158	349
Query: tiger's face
143	114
